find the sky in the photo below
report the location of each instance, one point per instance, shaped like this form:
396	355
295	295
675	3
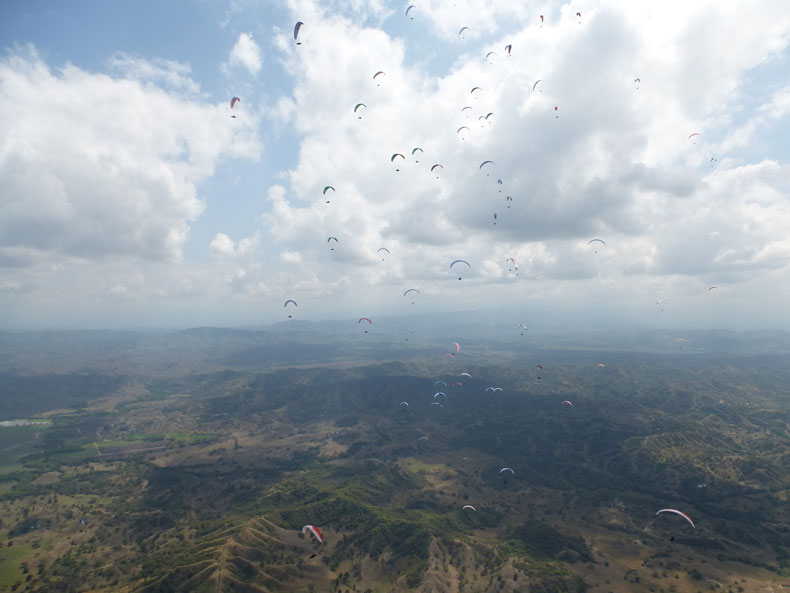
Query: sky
133	195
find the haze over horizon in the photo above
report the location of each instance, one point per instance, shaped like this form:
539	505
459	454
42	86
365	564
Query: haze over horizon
134	195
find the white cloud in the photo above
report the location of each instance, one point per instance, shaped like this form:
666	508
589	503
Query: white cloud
94	166
246	53
166	73
616	162
223	246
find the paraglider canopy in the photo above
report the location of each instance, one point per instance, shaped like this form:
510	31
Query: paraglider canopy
677	512
460	261
396	155
233	101
297	28
315	531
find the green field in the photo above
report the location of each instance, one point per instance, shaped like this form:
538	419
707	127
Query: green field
247	456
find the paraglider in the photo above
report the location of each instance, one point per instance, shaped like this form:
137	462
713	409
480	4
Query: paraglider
693	135
465	375
414	150
465	108
408	10
233	101
522	326
567	403
461	32
713	288
315	531
285	305
508	49
489	54
457	384
460	261
578	14
380	249
477	88
423	439
332	239
394	156
412	290
484	163
601	241
637	82
297	28
326	189
458	131
468	506
404	405
436	166
556	110
377	74
457	346
536	84
677	512
361	319
356	109
440	383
